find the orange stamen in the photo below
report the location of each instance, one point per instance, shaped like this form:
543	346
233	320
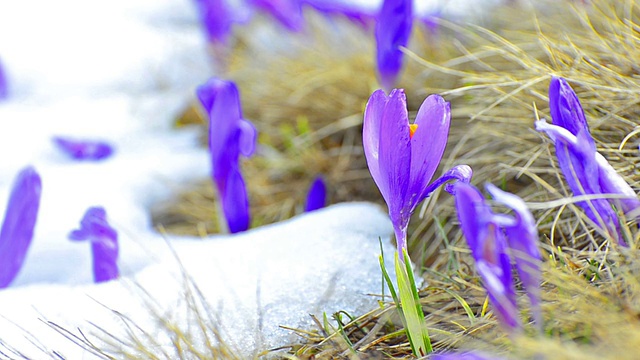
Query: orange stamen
412	129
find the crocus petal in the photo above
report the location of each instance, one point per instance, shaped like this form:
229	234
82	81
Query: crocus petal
287	12
577	160
216	17
371	134
428	143
19	222
248	136
393	29
462	173
388	149
222	102
225	117
317	195
566	110
395	159
207	92
472	213
229	135
4	88
612	183
235	203
523	241
494	267
91	150
94	227
489	249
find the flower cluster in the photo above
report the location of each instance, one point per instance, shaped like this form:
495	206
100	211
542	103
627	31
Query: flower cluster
586	171
496	241
403	157
104	243
218	16
229	136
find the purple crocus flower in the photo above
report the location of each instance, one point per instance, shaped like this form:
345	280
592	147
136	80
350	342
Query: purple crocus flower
91	150
403	157
393	29
493	253
229	136
19	222
104	243
317	195
586	171
218	16
489	250
287	12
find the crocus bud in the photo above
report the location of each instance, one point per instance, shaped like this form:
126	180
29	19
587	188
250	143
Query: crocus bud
317	195
104	243
19	222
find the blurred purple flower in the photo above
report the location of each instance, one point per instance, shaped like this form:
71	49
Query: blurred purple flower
218	16
229	136
393	29
287	12
19	222
586	171
83	149
4	87
403	157
356	14
489	250
463	356
522	237
485	234
317	195
104	243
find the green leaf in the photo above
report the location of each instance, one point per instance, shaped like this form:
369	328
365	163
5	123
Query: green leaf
392	290
411	308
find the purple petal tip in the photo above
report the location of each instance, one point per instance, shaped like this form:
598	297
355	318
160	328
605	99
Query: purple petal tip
317	195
